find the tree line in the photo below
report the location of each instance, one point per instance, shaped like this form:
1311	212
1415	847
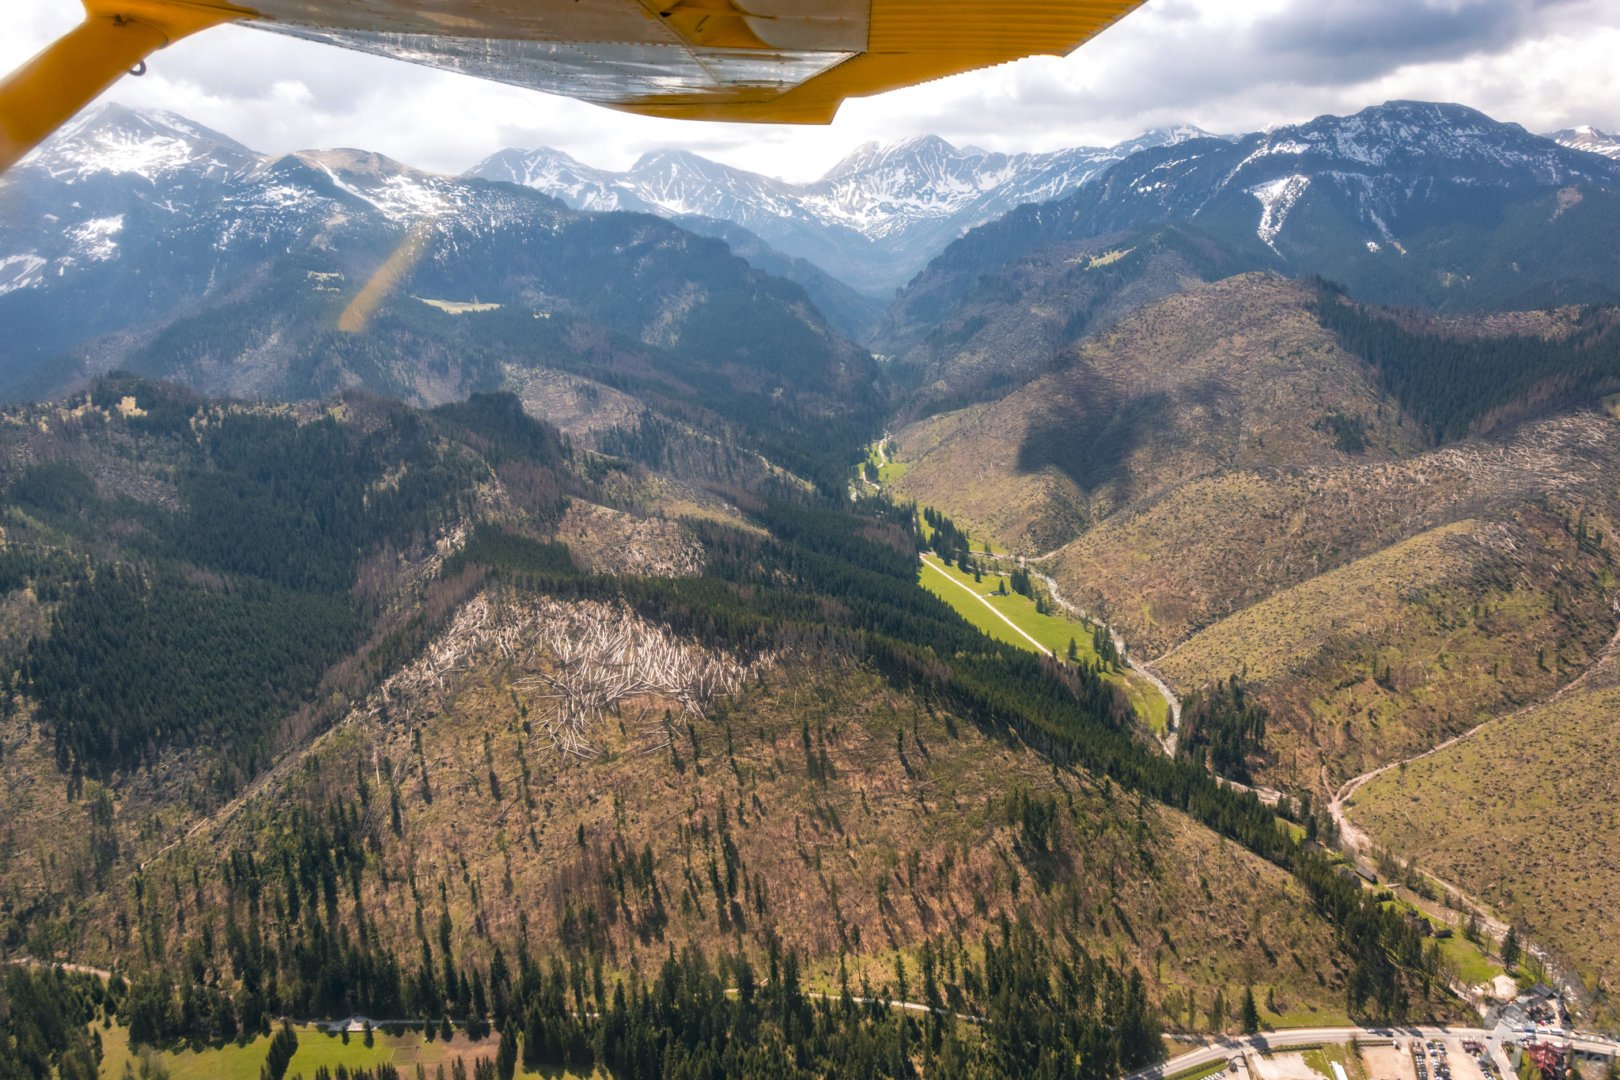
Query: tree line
206	623
1457	384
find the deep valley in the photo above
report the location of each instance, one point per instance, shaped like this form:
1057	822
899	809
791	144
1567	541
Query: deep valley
682	623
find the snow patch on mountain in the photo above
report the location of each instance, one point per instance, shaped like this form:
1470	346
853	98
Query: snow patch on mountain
1588	138
96	239
401	198
150	144
1277	198
20	271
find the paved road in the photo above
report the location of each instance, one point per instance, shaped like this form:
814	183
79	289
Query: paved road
1273	1041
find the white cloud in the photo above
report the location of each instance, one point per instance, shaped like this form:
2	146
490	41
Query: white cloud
1224	66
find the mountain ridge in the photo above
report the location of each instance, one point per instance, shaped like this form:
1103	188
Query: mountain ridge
1588	138
871	219
1409	203
252	282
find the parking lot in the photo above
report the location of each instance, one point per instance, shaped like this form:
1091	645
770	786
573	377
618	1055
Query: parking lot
1408	1058
1389	1062
1445	1059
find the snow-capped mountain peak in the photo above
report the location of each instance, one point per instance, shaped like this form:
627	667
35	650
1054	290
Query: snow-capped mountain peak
873	219
559	175
113	139
1586	137
917	150
1166	136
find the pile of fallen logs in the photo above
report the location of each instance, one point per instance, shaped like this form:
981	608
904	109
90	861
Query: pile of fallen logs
589	658
584	659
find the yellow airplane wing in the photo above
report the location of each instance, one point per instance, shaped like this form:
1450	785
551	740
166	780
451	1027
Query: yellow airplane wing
765	61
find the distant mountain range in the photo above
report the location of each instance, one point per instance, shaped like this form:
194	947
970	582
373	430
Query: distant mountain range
877	217
873	220
1588	138
129	225
1405	203
142	241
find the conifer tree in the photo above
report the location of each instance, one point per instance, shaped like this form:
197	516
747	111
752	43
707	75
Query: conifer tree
1510	949
1251	1013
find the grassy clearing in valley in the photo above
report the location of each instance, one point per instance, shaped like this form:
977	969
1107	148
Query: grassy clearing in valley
1052	632
315	1048
880	456
1472	965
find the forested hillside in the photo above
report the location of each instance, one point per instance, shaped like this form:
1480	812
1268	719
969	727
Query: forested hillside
425	602
952	348
1461	383
347	727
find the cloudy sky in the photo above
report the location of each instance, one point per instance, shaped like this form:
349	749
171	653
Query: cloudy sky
1222	65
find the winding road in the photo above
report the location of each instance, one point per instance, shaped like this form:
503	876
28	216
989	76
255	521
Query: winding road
1358	844
1355	841
1147	673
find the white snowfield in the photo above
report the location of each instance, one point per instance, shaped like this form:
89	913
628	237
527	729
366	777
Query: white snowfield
115	175
878	190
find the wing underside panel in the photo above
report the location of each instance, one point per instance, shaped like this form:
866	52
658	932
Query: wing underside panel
753	60
606	73
768	61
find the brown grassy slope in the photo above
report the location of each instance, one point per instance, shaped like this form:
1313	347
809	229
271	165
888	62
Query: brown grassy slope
1236	374
46	872
1009	330
890	846
1523	815
1210	548
1405	647
966	463
967	334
